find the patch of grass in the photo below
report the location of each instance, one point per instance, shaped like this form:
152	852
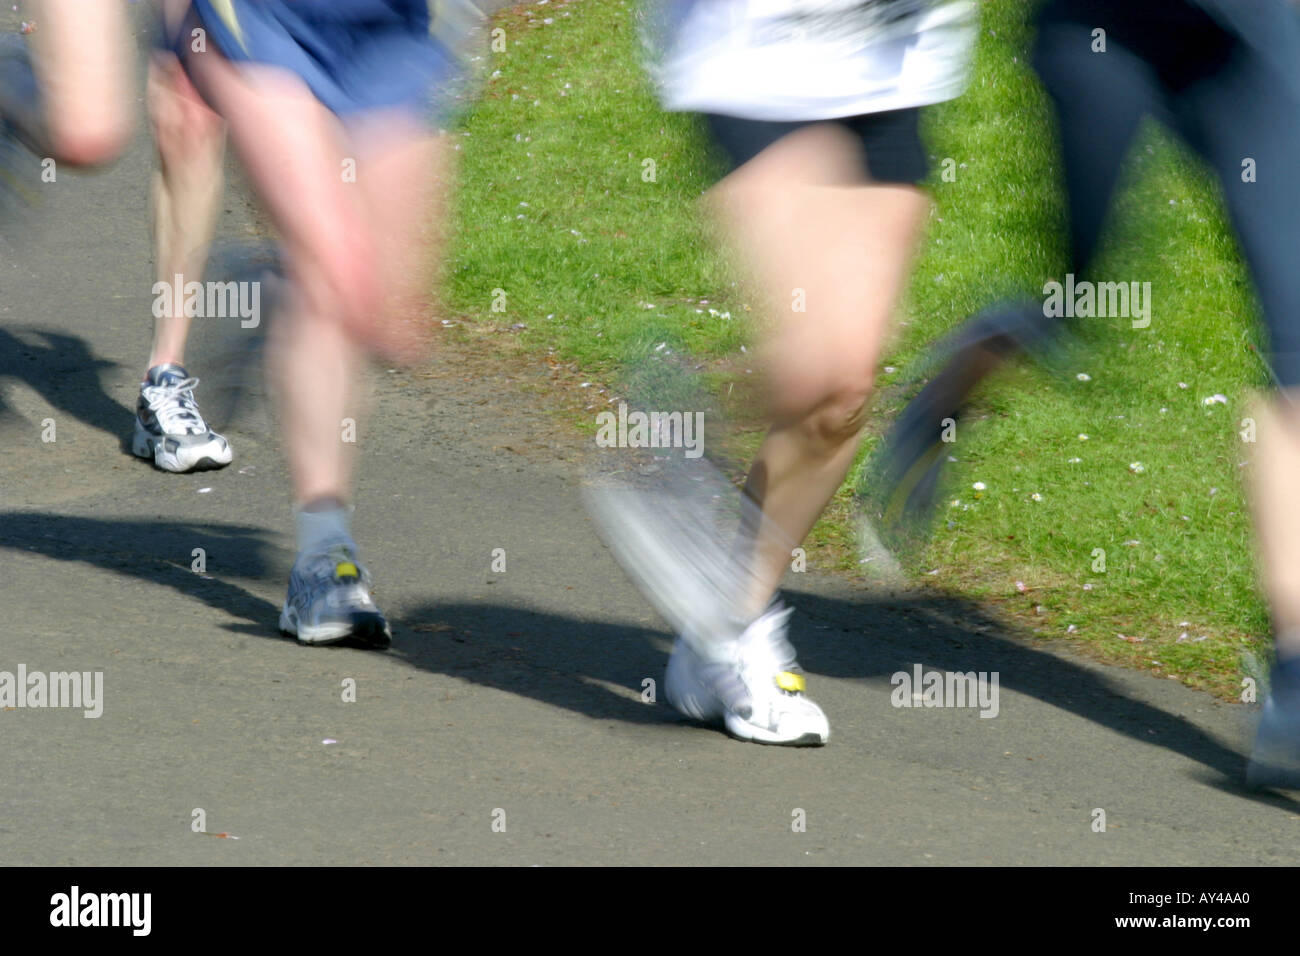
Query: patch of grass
579	200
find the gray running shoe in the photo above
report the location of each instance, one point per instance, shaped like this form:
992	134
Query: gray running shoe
168	427
329	600
1275	758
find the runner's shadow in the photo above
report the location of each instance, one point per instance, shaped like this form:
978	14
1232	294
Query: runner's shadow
876	638
591	667
67	374
598	669
160	553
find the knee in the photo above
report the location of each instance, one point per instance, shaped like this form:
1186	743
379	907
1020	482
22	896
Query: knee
184	127
90	144
843	412
341	283
834	409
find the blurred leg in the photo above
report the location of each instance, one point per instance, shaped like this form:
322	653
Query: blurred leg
1100	101
187	189
1250	112
803	225
293	149
336	235
82	63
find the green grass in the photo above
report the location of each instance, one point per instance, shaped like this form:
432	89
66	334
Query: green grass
602	266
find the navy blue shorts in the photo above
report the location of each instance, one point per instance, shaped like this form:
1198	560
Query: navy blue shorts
355	56
892	150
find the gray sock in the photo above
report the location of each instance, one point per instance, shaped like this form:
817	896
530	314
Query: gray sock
322	524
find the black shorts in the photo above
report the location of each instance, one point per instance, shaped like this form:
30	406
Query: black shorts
892	151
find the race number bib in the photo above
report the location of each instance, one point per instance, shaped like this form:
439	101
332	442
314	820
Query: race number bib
815	59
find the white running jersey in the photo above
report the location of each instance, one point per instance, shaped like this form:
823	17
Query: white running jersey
813	59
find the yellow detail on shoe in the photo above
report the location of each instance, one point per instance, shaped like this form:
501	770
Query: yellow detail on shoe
346	569
791	682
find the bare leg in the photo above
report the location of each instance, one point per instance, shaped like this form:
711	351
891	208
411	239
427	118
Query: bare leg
1272	480
82	63
805	228
187	188
336	234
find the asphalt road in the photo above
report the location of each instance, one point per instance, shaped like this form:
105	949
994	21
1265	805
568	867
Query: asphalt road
508	697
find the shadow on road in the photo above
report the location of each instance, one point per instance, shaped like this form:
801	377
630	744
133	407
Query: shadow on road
595	668
67	374
158	552
573	663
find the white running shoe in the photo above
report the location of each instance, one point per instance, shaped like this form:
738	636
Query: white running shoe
757	691
168	427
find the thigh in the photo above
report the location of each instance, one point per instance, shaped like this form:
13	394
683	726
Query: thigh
295	153
1245	121
1100	99
829	254
84	66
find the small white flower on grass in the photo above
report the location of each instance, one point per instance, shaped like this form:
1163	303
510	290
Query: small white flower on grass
1036	496
1074	461
1136	467
1215	399
890	370
1084	377
1082	437
1182	384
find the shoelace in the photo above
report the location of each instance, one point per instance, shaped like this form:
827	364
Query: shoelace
173	404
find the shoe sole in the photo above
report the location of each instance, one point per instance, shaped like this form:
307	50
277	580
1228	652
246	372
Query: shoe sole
144	445
756	735
369	629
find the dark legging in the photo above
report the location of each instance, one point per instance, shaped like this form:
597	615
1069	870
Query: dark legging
1228	84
